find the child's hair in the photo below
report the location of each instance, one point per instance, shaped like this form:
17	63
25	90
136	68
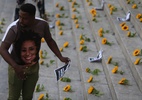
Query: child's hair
29	8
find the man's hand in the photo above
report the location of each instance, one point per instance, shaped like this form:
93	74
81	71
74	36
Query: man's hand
65	59
19	70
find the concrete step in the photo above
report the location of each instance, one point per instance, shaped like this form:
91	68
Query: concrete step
128	7
128	45
115	51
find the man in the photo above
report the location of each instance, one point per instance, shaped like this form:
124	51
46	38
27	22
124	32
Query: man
19	4
41	8
8	48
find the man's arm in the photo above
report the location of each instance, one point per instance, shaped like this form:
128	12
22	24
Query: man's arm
5	54
53	46
7	57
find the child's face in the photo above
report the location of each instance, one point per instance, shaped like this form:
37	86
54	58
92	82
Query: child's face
28	51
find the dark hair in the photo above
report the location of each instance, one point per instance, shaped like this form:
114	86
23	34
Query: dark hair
25	36
29	8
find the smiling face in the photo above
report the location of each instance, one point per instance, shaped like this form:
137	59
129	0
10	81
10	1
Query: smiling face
28	51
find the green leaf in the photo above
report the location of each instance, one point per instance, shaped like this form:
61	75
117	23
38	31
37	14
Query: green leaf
52	61
95	72
65	79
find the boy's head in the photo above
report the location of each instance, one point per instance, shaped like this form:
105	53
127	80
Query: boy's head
29	8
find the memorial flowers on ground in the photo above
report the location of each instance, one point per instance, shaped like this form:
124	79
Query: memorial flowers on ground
92	90
83	48
58	23
61	32
93	12
139	15
109	61
115	70
101	32
106	42
134	6
39	88
66	44
112	8
124	81
43	97
137	61
137	52
67	98
125	28
130	34
90	79
67	88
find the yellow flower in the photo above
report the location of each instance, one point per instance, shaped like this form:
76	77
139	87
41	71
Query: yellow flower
58	23
104	40
87	70
69	0
58	16
40	54
67	88
134	6
111	8
61	32
109	60
137	61
87	0
89	3
90	89
76	21
128	33
41	97
122	81
81	42
100	34
100	30
81	37
122	24
128	2
60	27
77	25
73	9
115	69
125	28
57	4
140	19
42	40
74	2
81	48
61	49
90	79
111	12
136	52
66	44
138	16
93	12
61	8
41	61
109	5
73	16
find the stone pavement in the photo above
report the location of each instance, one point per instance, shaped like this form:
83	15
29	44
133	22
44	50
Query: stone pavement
121	51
